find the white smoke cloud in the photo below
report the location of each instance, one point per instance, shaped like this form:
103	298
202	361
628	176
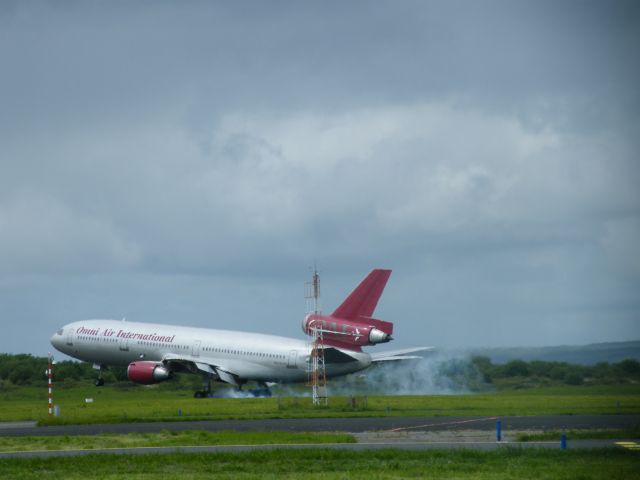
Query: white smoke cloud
441	373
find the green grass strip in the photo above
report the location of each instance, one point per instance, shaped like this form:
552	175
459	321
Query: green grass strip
153	404
149	404
166	439
540	464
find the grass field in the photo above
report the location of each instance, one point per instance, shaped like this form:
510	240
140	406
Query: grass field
612	464
166	439
137	404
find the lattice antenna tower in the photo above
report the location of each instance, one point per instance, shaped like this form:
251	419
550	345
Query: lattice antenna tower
317	371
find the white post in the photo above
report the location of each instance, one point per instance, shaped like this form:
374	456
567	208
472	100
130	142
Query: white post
50	385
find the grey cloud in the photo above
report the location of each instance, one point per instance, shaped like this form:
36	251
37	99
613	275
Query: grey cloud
485	151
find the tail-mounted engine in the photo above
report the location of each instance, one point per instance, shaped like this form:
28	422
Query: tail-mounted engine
349	332
351	325
147	372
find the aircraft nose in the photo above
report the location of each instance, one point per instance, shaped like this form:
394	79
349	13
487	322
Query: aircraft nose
56	340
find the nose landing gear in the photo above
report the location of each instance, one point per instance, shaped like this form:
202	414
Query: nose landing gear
99	381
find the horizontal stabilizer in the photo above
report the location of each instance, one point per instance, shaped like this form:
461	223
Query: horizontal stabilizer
396	358
404	354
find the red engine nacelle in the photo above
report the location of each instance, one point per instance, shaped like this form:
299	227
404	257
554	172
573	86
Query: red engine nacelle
357	332
147	372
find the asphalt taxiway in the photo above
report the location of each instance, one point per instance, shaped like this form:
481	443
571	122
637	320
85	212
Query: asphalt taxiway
408	433
351	425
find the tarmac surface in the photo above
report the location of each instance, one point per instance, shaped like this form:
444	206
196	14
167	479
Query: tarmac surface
352	425
408	433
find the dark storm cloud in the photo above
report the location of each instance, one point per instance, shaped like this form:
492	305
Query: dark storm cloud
487	151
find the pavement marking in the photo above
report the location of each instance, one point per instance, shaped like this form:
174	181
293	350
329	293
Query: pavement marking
629	445
23	424
484	419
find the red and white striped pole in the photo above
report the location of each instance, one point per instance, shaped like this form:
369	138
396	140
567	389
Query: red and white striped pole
49	375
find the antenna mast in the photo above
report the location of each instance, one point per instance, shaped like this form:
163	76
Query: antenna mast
317	372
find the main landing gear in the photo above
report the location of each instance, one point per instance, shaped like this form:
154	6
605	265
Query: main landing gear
207	391
262	391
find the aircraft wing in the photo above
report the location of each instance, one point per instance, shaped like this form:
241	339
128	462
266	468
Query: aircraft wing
404	354
195	364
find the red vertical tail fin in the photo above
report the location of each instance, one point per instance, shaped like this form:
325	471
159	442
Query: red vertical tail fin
364	298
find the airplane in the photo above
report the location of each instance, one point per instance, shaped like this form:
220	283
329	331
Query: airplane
153	352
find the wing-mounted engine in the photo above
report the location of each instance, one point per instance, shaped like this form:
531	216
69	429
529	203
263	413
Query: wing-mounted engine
351	324
147	372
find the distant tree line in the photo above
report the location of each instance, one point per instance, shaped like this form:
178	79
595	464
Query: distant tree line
519	371
25	369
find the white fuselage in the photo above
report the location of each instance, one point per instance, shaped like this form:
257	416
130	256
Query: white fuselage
250	356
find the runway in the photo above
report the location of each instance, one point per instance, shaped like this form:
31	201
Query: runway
351	425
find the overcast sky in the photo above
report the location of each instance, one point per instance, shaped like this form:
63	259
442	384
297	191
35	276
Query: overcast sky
187	162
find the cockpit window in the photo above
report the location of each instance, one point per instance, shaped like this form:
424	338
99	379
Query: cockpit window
59	332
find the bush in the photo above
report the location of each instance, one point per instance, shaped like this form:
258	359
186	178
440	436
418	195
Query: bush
21	375
629	367
516	368
574	379
558	372
484	366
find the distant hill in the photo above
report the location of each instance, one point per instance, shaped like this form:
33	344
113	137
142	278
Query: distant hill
580	354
